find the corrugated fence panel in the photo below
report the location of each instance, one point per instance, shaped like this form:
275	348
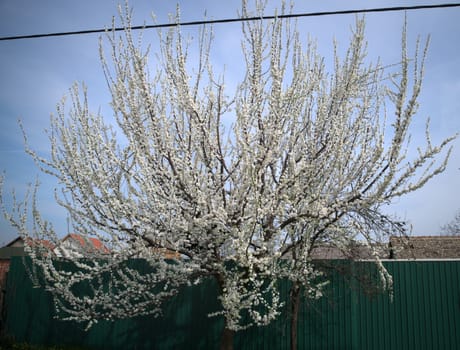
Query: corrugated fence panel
185	321
424	314
273	336
326	323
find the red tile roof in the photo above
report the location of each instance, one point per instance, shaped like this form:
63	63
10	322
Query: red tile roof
95	243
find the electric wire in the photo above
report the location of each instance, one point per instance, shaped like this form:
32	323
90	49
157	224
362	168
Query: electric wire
231	20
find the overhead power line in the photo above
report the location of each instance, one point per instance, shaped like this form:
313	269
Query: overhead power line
230	20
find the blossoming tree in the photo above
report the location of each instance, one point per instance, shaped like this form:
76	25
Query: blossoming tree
297	157
452	227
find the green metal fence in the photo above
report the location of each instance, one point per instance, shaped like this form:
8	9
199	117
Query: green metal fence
424	314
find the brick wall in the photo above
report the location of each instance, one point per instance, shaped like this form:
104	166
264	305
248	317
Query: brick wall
4	268
425	247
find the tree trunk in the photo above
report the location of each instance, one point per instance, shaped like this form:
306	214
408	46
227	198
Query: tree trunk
295	303
226	339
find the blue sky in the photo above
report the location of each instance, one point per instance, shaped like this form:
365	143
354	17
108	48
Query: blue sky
36	73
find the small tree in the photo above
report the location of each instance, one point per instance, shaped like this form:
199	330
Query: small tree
452	227
296	158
